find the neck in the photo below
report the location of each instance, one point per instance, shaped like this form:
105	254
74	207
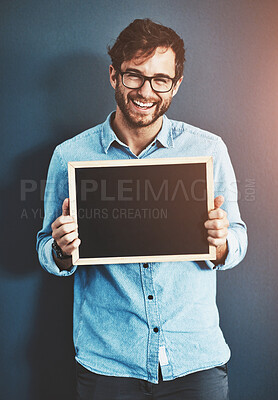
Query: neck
136	138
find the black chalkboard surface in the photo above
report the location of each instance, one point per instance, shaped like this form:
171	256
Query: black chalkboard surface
141	210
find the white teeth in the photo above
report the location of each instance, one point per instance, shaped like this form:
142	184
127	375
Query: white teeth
139	103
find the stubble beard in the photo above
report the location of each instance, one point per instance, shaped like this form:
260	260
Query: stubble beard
135	122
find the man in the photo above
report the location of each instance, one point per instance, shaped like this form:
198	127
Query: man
145	330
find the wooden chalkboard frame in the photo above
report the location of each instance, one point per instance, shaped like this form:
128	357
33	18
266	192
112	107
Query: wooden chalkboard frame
73	166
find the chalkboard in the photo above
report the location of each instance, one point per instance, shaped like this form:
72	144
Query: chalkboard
141	210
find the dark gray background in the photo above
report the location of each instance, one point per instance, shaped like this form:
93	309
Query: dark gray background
54	84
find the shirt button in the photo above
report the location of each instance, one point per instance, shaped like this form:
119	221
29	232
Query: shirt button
155	329
150	297
146	265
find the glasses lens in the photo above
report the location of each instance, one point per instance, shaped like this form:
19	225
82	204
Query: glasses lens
161	84
132	81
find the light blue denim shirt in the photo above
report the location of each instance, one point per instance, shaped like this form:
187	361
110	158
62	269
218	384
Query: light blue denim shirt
130	317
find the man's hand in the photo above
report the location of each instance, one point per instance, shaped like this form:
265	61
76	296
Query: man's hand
217	226
64	231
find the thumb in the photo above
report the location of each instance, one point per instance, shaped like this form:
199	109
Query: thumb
65	207
218	201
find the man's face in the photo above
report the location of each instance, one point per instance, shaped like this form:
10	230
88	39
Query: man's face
142	107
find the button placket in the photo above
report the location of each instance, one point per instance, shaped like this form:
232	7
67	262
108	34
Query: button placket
152	320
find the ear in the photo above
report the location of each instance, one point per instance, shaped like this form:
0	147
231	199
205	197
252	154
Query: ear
177	85
113	76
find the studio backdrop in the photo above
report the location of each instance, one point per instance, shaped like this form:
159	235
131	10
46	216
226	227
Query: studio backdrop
54	85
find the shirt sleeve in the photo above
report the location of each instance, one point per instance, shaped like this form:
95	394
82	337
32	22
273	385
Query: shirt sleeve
225	184
56	190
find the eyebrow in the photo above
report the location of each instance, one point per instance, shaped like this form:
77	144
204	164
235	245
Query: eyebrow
137	71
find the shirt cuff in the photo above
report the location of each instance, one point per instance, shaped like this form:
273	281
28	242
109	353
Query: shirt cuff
49	263
231	256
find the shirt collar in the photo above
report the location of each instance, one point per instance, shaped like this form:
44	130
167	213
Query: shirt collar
108	136
165	136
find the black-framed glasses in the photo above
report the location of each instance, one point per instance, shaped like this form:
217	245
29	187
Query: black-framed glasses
159	83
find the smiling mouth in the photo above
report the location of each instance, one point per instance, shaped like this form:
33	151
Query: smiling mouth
141	105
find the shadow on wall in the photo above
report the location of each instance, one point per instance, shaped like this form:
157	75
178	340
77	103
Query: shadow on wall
77	96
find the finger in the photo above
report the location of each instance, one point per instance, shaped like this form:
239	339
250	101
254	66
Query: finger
67	239
63	219
63	230
216	223
218	233
65	207
217	213
69	249
216	241
218	201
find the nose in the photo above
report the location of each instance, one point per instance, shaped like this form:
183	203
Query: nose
146	89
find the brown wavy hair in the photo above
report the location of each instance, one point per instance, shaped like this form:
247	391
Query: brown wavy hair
145	36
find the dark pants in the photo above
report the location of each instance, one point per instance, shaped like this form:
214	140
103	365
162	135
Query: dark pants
211	384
